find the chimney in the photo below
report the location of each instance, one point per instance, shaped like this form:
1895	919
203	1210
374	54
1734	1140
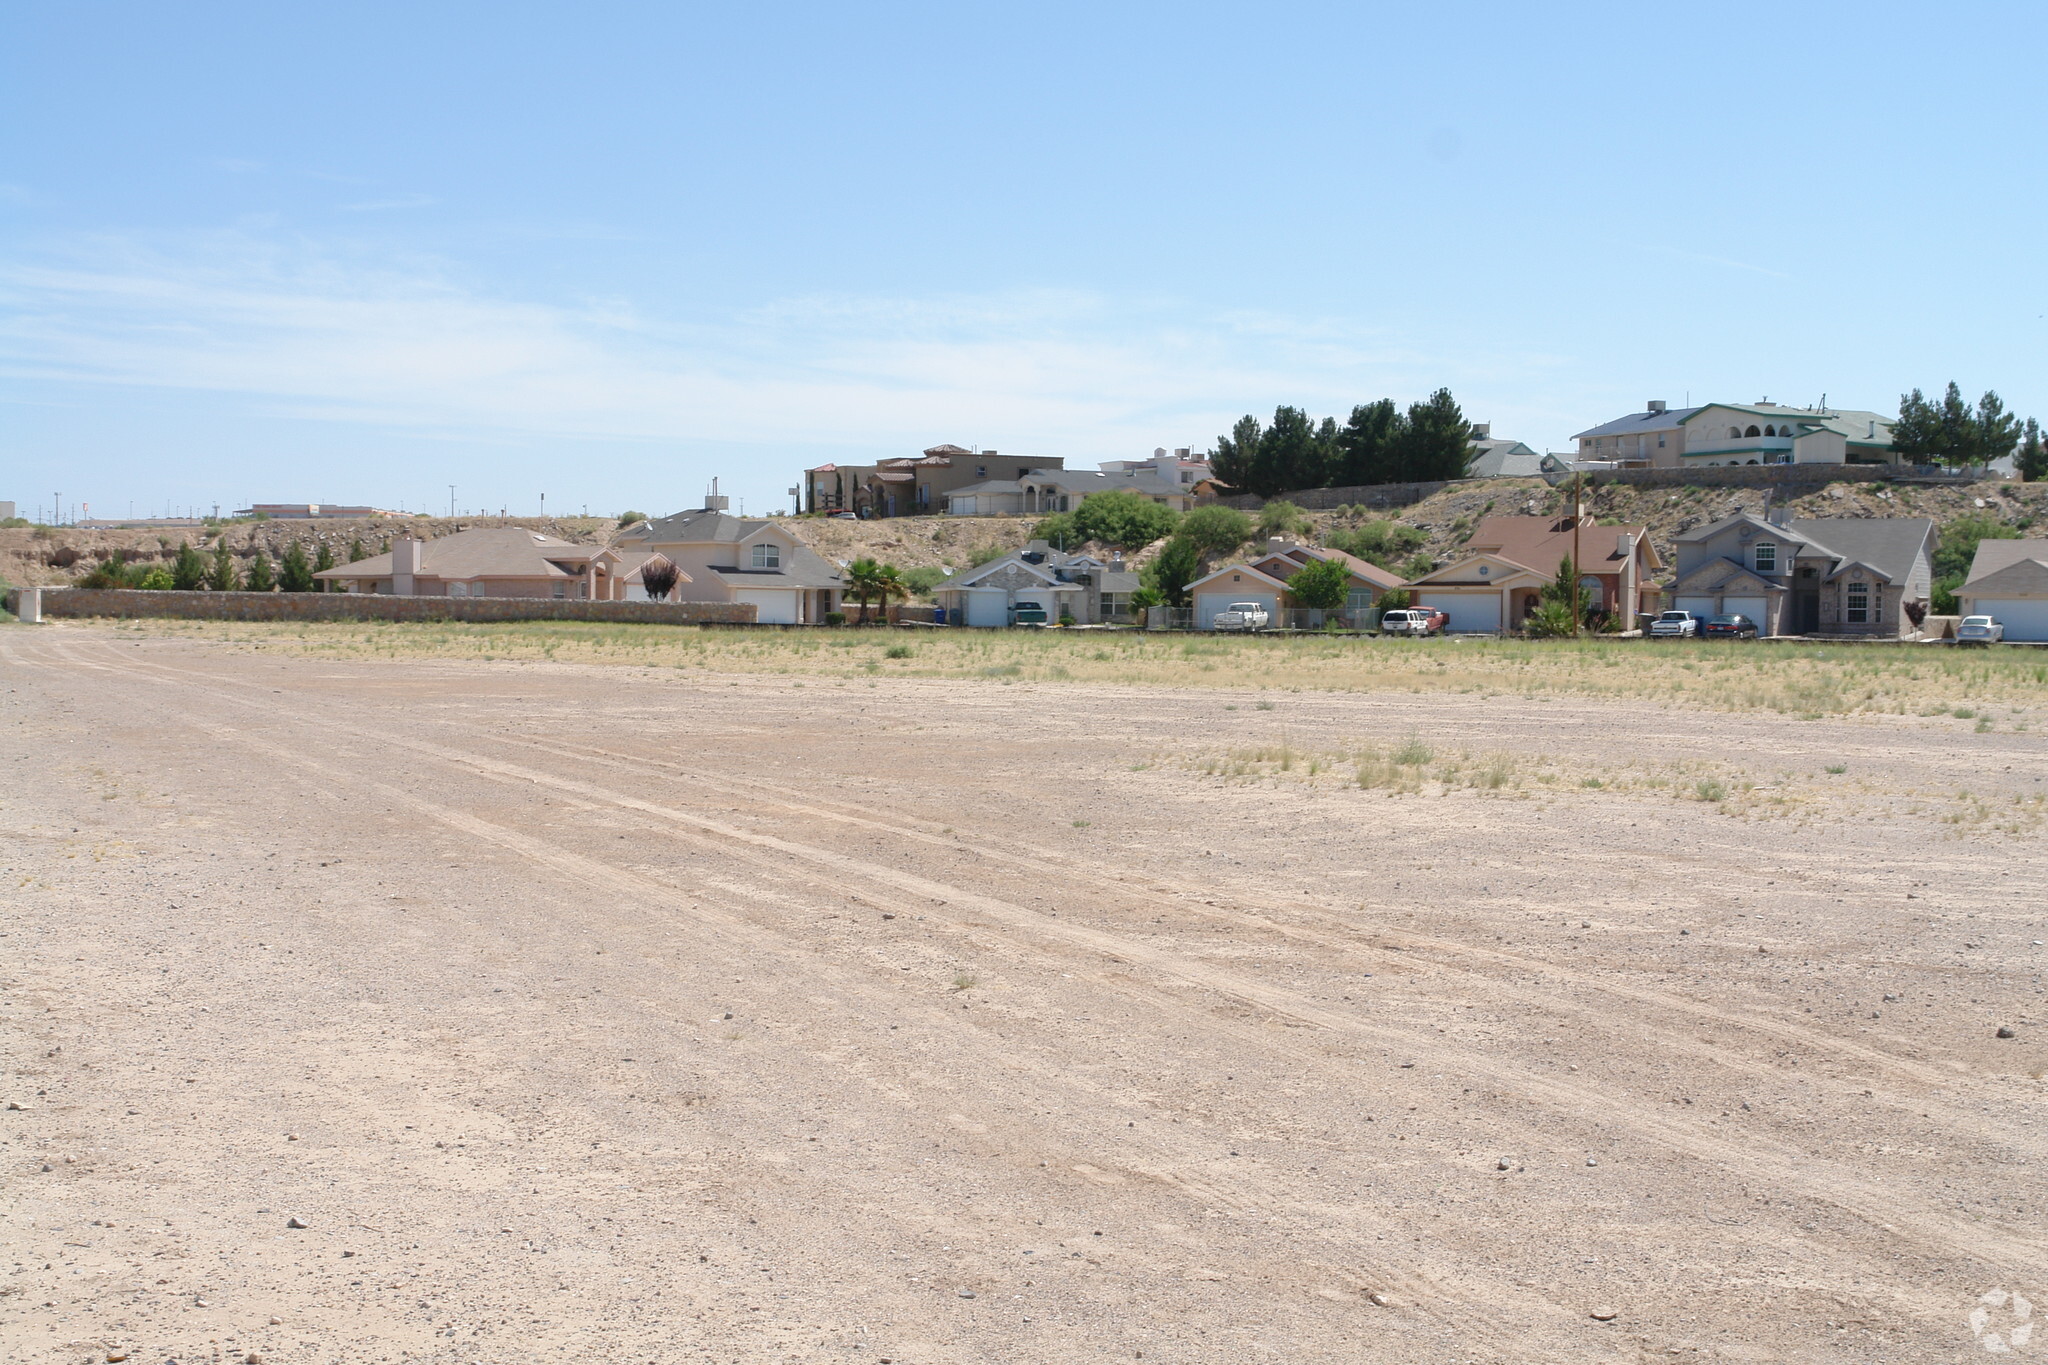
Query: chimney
1181	452
1780	515
1482	431
405	562
1659	405
1275	544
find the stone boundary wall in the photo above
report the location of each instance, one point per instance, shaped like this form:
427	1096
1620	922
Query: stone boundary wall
353	606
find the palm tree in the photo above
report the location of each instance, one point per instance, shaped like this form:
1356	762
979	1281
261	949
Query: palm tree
863	583
889	584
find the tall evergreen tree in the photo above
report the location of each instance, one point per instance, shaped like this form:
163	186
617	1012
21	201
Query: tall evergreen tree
188	571
223	577
1951	432
1996	430
356	553
322	565
260	577
1292	454
1232	460
1433	442
2032	459
297	575
1364	445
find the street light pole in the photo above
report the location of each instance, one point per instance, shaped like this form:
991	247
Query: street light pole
451	501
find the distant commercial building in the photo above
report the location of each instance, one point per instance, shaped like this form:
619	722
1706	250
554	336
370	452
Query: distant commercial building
308	511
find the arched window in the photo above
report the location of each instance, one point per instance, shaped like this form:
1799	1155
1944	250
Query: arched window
1770	431
1735	433
1752	430
1752	461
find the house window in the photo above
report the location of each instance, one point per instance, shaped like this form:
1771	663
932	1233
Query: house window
1116	604
1660	440
767	556
561	588
1766	557
1859	604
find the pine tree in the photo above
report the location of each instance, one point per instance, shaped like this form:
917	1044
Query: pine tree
188	572
1434	441
321	566
2032	459
297	575
223	577
260	577
1235	455
1364	446
356	553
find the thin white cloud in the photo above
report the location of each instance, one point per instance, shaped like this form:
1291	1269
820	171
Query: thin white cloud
327	337
403	201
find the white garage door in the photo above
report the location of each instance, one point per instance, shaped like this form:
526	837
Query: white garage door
1209	603
1469	611
1752	607
2024	618
771	608
988	607
1701	607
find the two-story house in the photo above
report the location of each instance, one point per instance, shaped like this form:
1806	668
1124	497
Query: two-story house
913	485
1662	437
1806	576
725	558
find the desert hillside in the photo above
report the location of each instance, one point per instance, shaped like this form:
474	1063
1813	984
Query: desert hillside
55	555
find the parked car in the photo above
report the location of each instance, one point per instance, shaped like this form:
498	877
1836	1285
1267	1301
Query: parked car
845	516
1979	630
1731	627
1028	614
1241	616
1414	621
1675	625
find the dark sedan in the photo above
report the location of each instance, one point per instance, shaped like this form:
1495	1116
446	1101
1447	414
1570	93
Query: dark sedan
1729	628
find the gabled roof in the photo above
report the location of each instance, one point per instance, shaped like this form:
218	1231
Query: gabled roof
1298	555
495	552
1503	459
1888	545
1995	556
1639	421
1010	560
801	566
1242	569
1724	573
1541	543
1464	573
2021	578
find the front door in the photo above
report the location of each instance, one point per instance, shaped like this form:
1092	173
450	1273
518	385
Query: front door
1806	601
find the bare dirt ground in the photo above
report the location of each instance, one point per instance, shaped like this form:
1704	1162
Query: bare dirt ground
590	1012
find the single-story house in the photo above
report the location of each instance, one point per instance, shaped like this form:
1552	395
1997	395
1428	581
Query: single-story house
2009	582
496	562
723	558
1808	575
1499	458
1500	577
1263	578
1038	584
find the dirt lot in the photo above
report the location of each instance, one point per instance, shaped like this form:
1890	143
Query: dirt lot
769	1011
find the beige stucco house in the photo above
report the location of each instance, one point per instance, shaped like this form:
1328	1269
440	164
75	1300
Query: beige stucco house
1663	437
1500	576
1263	579
724	558
1039	585
2009	582
496	562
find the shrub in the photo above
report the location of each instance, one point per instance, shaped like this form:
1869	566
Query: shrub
898	652
1123	518
1320	585
113	572
1378	542
1145	598
1067	617
188	570
1214	530
1058	530
1413	753
658	577
158	579
1549	620
925	579
1281	518
628	518
835	618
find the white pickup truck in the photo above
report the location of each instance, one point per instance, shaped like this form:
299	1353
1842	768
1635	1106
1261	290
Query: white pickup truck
1241	616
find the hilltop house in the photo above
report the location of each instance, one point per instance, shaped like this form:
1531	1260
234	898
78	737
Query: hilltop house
912	485
1263	579
1802	576
1504	567
496	562
724	558
1662	437
1039	585
1498	458
2009	582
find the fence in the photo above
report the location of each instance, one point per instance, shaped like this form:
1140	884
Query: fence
353	606
1322	499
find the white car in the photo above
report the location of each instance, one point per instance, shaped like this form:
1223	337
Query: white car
1675	625
1241	616
1979	630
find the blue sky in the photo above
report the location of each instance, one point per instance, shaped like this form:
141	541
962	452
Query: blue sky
607	251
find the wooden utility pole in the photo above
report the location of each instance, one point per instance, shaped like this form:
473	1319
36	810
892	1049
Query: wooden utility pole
1578	514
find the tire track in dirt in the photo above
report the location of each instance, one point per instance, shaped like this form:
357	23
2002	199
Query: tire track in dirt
1478	1311
1890	1211
1344	937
